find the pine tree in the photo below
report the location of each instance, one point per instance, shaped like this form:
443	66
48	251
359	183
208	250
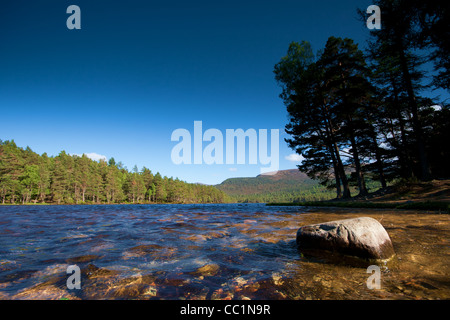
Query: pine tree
29	180
311	124
397	41
83	174
347	80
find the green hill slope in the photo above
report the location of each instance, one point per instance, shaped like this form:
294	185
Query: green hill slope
284	186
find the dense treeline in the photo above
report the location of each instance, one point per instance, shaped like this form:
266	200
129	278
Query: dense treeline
317	193
354	114
27	177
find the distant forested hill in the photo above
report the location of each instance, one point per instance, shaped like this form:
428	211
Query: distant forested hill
285	185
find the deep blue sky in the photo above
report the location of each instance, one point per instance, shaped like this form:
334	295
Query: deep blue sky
138	70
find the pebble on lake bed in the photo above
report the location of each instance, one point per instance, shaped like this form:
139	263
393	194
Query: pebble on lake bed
208	270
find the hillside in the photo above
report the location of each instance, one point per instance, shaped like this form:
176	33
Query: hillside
414	195
285	185
431	191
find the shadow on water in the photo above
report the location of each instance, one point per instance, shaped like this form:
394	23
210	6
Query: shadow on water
281	251
288	251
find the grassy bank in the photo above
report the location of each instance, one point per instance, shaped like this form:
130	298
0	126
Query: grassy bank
408	195
443	207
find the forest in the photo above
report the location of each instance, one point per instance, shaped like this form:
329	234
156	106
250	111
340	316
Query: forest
27	177
357	115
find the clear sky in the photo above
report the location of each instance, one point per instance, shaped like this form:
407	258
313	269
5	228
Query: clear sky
138	70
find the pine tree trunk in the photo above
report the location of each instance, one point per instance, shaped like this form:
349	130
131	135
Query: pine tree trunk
336	173
340	169
423	159
379	161
330	137
359	174
405	159
346	194
338	182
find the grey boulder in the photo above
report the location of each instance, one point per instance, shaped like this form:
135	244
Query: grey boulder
361	237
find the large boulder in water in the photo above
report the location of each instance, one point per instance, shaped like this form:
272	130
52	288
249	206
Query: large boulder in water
361	237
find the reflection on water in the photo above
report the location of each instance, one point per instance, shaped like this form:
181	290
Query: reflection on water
208	252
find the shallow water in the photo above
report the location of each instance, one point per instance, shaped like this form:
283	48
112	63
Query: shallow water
244	251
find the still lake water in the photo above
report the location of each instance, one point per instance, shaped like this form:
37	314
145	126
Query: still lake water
231	251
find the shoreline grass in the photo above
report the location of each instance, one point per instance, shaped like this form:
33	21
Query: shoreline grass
443	207
109	204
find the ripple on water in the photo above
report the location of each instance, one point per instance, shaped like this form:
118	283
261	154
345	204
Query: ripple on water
208	252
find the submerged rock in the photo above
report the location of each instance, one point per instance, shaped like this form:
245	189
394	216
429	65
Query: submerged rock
81	259
361	237
208	270
44	292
